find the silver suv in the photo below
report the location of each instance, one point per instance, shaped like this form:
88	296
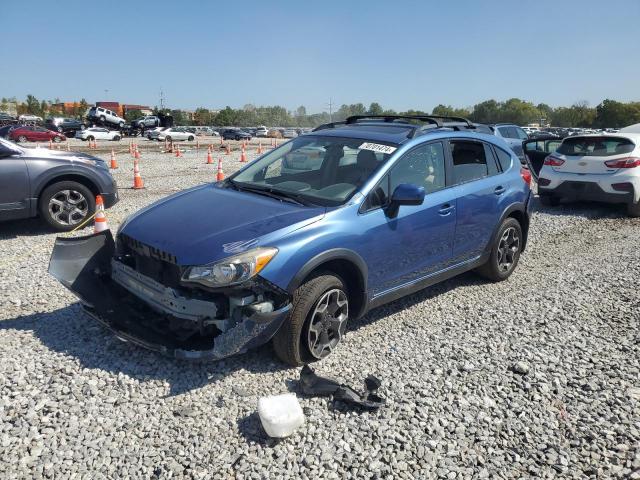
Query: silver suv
105	116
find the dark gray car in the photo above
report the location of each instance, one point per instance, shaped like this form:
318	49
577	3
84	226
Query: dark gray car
59	187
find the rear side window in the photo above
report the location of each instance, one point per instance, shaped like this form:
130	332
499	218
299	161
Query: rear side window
504	159
469	161
508	132
596	146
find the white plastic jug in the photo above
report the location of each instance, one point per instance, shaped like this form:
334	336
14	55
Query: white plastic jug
280	414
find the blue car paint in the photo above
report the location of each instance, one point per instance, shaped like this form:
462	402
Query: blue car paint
420	242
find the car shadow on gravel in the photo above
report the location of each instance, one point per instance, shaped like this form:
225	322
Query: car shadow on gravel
71	332
24	228
590	210
465	279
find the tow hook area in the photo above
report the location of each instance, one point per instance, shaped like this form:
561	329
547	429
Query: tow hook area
144	312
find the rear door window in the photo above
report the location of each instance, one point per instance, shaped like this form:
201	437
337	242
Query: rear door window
596	146
469	161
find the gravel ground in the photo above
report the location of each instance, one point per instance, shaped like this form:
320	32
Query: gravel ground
538	376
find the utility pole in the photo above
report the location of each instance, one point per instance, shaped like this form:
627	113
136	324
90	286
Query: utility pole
330	105
161	99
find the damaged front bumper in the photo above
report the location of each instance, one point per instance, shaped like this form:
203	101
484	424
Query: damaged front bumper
145	312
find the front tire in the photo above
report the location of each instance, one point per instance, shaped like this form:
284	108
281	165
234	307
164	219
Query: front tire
22	139
505	252
116	138
317	321
57	139
64	205
190	139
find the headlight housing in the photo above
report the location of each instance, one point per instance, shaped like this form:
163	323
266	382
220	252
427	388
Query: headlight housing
232	270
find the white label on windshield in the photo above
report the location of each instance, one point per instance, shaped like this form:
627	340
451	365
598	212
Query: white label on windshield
376	147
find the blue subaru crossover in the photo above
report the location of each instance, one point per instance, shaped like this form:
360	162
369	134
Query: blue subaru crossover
310	235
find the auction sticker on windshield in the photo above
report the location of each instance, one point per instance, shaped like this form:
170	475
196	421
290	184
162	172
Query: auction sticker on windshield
376	147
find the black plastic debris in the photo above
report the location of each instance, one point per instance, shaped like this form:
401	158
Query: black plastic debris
316	386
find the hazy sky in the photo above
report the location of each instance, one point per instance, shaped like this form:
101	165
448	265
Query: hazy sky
402	54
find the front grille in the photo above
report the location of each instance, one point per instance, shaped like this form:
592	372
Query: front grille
151	262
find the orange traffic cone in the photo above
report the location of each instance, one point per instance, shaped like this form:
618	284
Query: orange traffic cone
130	147
178	152
50	145
114	164
209	159
260	148
228	149
243	155
136	153
100	220
137	179
220	175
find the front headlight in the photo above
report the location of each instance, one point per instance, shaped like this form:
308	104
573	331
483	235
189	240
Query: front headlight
232	270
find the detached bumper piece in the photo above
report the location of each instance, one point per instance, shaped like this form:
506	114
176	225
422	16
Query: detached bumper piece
85	266
317	386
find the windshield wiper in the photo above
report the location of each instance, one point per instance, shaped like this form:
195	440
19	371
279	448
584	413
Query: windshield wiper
270	192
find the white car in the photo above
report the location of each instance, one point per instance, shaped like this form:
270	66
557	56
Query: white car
262	132
29	118
603	168
176	133
98	133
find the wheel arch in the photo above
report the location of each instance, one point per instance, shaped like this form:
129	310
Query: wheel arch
518	211
69	177
345	263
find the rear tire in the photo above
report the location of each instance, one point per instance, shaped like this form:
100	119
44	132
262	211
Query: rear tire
190	139
91	138
116	138
505	252
22	139
293	343
57	139
633	209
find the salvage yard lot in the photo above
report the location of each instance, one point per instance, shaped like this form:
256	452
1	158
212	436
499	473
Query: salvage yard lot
539	375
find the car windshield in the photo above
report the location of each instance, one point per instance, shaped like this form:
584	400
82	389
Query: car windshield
595	146
319	170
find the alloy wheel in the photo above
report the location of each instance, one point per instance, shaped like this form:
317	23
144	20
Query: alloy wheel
327	323
508	248
68	207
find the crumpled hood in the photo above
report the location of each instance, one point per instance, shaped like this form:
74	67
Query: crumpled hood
208	223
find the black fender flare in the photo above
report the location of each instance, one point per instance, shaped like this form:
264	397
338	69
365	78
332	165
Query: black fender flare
514	207
330	255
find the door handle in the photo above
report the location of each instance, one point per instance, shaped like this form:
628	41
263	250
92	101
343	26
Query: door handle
445	210
499	190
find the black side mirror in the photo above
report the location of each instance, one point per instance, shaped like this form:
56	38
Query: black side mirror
405	194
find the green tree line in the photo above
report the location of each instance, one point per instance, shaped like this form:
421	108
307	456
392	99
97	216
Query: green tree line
609	113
